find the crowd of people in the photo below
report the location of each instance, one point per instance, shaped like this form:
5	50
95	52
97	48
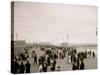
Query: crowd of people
21	68
77	59
48	61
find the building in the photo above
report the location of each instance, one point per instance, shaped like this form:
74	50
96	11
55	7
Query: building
64	44
18	46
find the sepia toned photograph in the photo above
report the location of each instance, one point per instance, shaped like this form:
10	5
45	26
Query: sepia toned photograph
51	37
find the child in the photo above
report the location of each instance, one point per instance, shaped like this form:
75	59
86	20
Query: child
58	68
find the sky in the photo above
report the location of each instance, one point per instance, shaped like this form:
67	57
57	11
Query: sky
48	22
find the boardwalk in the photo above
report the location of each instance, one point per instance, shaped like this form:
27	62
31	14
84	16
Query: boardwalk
90	63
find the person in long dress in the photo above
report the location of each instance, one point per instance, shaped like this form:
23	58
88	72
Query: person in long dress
40	68
69	59
74	66
82	65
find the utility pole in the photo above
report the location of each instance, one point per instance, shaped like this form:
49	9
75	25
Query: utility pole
16	37
96	31
67	39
